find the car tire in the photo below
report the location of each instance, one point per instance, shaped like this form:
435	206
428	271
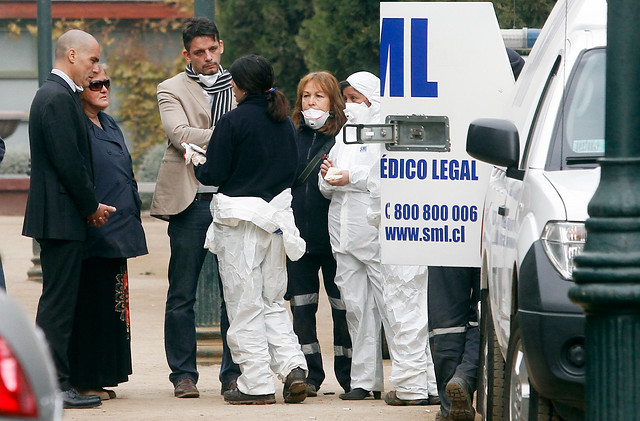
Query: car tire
491	367
521	401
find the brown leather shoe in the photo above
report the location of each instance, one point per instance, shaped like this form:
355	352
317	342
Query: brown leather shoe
186	388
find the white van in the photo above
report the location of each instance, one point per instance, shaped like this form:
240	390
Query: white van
544	152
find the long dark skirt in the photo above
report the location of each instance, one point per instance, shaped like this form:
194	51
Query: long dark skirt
100	348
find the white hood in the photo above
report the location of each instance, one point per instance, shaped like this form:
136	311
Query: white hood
575	187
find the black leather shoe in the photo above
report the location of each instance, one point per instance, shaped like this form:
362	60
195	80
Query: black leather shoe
312	391
392	398
359	394
230	385
236	397
295	386
186	388
434	400
72	399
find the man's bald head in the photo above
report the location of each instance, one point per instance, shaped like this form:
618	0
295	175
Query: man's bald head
77	54
73	39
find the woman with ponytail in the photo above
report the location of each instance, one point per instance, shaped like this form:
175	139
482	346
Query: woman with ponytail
252	158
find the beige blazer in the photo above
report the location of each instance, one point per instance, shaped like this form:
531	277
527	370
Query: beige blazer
186	117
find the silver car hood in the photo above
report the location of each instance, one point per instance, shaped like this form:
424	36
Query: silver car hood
575	187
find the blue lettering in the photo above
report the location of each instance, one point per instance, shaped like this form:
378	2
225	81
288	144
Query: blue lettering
393	168
411	169
392	53
434	170
474	176
422	169
453	170
383	167
420	86
464	171
443	169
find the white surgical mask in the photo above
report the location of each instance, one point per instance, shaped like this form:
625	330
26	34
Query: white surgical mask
357	113
315	118
208	80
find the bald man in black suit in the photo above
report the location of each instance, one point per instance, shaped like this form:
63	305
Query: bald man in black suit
61	200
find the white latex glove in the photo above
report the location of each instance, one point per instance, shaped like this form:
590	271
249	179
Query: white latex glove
332	174
193	154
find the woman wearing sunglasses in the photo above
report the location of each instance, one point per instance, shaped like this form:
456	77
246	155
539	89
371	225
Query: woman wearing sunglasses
100	349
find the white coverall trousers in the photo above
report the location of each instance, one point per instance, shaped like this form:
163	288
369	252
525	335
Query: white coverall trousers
252	265
359	281
405	298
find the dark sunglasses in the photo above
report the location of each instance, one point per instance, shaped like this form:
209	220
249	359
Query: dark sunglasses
96	85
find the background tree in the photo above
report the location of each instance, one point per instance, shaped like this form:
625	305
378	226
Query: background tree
342	37
266	28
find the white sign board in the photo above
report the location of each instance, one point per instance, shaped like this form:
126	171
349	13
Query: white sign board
442	60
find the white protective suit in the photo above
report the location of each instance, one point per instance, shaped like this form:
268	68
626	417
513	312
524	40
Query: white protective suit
355	245
250	237
405	297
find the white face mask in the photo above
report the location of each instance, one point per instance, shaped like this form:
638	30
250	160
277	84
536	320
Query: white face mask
356	113
208	80
315	118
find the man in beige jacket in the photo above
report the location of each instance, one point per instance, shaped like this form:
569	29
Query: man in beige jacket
190	104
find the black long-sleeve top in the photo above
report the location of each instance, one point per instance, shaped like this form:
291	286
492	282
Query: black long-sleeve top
250	155
310	207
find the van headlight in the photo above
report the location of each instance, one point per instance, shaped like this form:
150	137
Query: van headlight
562	241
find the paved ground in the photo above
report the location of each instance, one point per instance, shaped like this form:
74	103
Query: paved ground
148	395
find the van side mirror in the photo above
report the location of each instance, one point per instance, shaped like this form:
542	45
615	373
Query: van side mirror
494	141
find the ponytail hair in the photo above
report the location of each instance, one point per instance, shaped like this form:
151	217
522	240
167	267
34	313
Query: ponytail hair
277	105
254	74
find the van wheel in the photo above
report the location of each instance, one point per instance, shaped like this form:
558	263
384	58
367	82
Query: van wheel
522	402
491	367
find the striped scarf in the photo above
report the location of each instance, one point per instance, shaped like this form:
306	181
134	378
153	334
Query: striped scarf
220	91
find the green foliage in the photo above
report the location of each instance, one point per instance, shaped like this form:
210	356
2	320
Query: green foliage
342	37
522	14
266	28
139	76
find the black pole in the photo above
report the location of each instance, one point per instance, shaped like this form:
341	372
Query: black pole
608	272
45	62
45	55
205	9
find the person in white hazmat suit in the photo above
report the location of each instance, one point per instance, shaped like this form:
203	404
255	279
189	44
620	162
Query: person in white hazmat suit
404	291
343	179
252	157
399	292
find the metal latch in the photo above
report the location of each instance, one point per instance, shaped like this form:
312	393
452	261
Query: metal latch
403	133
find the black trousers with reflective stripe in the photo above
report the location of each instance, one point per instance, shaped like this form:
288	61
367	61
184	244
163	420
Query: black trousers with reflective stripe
302	292
454	293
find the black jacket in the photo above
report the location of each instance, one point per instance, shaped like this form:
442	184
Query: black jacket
61	194
250	155
123	235
310	207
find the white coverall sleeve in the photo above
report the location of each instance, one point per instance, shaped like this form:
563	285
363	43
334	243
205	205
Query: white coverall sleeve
373	185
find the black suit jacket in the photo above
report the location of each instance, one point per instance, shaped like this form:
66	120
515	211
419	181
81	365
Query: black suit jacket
61	194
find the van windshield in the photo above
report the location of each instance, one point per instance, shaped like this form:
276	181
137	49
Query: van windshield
579	133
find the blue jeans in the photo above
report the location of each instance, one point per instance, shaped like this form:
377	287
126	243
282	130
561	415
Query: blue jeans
187	231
